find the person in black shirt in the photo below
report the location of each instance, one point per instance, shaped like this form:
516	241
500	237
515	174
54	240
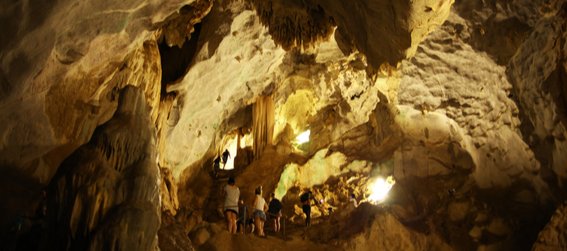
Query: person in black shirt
225	156
305	199
275	211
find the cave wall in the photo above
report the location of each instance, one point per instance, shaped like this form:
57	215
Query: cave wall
59	70
537	71
384	31
461	112
100	192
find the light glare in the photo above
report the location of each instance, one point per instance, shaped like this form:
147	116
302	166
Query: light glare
303	137
379	189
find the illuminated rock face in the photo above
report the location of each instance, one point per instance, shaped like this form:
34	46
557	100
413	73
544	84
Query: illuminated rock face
385	31
469	117
101	192
60	63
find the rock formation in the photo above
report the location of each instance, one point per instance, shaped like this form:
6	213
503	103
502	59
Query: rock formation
101	191
118	111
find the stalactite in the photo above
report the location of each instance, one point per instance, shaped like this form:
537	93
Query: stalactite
294	24
263	124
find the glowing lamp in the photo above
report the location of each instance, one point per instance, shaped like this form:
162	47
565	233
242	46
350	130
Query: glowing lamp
379	189
303	137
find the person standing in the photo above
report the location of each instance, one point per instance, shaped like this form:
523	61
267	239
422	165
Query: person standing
231	196
225	156
353	201
259	211
305	199
275	211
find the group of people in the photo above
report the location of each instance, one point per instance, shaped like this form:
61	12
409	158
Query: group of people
236	213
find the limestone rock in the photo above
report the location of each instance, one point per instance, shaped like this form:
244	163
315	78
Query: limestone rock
477	101
101	192
476	233
387	233
168	192
498	227
200	236
458	210
57	68
464	106
554	236
405	23
538	90
172	235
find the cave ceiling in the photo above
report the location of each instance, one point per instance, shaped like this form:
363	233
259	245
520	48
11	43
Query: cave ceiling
443	95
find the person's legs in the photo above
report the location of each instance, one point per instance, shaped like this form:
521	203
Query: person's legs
277	224
240	226
234	227
262	227
274	223
227	217
231	221
307	211
257	223
252	226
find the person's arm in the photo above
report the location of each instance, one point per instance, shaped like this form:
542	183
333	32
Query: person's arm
265	206
255	201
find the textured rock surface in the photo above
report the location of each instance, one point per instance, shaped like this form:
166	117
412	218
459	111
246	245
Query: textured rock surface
470	121
173	235
541	91
60	70
473	102
404	23
101	192
554	236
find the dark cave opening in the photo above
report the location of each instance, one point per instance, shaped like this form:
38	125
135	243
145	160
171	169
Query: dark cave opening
175	60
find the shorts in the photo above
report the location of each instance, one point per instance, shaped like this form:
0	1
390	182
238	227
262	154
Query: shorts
275	215
231	209
260	214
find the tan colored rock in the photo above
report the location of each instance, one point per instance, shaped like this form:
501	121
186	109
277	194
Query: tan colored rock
475	233
200	236
498	227
543	109
476	106
404	23
101	191
554	236
387	233
481	218
476	99
63	68
168	192
458	210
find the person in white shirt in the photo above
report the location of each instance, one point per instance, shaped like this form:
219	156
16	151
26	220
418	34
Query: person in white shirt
260	207
231	196
353	201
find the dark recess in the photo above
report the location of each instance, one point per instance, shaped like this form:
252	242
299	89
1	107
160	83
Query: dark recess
175	61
